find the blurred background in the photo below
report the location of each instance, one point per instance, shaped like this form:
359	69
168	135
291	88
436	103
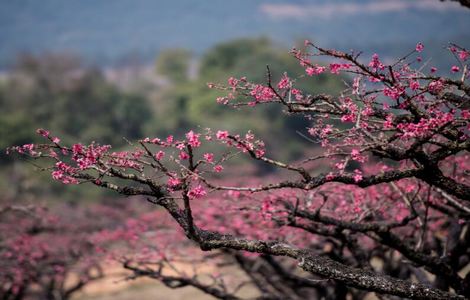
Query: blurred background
95	70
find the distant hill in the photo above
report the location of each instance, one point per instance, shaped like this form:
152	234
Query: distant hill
107	32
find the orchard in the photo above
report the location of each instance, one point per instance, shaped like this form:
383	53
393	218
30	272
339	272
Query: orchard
379	204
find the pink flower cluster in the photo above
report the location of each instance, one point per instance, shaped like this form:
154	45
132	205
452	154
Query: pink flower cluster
64	173
425	126
419	47
464	55
357	156
435	86
221	135
375	63
315	70
335	67
86	157
173	182
124	159
197	192
193	139
26	148
262	93
394	92
284	83
209	157
350	110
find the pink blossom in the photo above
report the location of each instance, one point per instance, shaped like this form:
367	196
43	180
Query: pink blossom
455	69
356	84
348	118
284	83
388	124
465	114
26	148
183	155
463	55
57	175
122	159
313	131
53	154
433	70
393	92
436	86
259	153
375	62
43	132
221	135
357	176
209	157
326	131
137	154
340	165
63	173
218	168
222	100
425	125
262	93
169	139
375	78
55	140
419	47
173	181
367	111
86	157
159	156
193	139
315	70
233	82
77	149
356	155
335	68
197	192
414	85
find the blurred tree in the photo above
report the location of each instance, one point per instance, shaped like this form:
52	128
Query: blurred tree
58	93
174	64
189	104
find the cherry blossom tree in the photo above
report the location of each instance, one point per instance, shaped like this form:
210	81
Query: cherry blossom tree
379	203
54	253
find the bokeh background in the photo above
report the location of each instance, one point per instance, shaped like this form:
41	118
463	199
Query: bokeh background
107	71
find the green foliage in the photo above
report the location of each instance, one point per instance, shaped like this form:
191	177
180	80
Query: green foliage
192	104
174	64
76	103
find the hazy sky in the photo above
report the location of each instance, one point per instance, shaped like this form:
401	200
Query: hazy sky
104	30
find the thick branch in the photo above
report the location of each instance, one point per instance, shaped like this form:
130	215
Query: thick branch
328	268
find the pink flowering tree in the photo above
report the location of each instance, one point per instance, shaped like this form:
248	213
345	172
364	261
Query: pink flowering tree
53	254
380	202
